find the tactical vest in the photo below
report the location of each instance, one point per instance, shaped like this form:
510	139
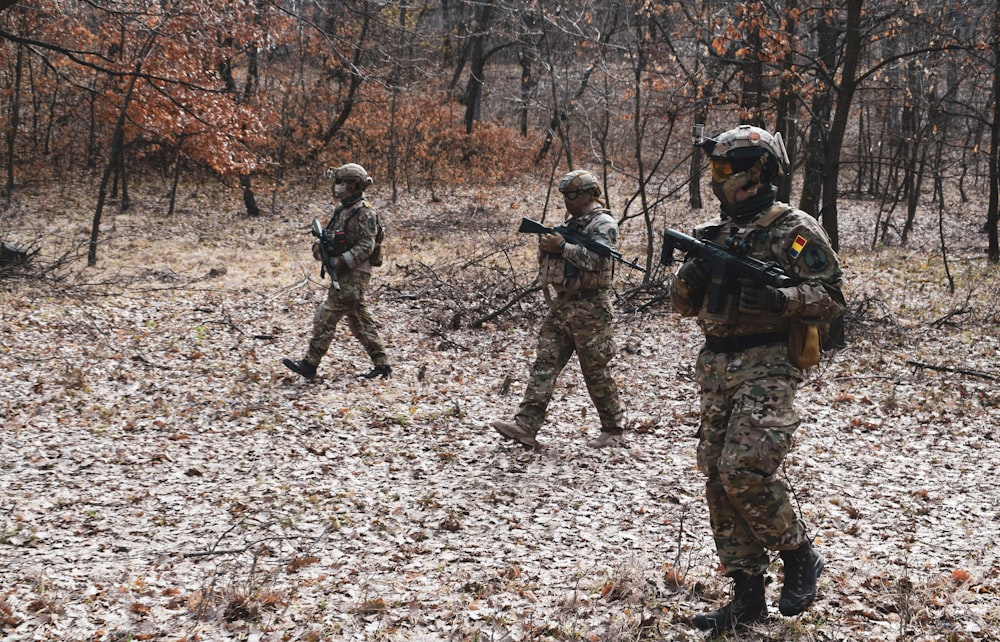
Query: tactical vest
349	228
556	270
755	240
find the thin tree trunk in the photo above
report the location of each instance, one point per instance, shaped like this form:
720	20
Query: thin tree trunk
249	200
15	121
838	128
117	147
117	144
993	213
172	201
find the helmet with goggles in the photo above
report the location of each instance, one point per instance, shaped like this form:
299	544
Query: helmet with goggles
353	173
743	160
579	181
738	150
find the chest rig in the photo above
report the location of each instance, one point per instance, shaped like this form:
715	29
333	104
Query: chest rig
563	275
753	239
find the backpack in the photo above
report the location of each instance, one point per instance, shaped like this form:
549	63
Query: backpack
375	258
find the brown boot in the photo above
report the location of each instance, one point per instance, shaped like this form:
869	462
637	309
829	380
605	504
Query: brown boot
516	432
748	606
608	440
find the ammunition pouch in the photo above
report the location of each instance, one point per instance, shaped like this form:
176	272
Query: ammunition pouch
804	340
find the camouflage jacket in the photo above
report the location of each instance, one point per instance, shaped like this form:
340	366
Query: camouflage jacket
578	268
799	245
360	224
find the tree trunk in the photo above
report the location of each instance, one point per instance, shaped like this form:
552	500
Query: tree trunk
248	198
172	201
838	128
117	144
818	142
337	121
15	120
477	65
993	212
785	118
524	59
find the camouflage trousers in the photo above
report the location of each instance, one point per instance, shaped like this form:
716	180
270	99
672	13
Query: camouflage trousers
348	301
747	428
582	325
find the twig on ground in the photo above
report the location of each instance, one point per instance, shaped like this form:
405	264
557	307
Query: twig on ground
964	371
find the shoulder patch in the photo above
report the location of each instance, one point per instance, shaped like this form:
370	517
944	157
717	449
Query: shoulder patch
815	259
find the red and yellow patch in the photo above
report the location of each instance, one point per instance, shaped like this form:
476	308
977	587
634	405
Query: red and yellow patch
797	245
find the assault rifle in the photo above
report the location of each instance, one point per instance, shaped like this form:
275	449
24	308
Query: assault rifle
577	238
327	252
727	263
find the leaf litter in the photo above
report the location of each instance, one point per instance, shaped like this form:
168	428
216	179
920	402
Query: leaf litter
164	478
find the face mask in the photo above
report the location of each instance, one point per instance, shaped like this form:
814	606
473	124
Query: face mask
726	190
340	190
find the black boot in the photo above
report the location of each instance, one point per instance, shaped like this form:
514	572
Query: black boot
303	368
379	371
747	606
802	569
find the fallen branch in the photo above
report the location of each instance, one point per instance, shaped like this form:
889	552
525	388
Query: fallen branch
477	323
963	371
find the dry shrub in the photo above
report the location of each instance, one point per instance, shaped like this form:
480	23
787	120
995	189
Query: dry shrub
422	139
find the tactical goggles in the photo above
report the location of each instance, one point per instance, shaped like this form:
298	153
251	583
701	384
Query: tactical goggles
572	196
722	169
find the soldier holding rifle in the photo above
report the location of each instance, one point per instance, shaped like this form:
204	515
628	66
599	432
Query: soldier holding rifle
763	325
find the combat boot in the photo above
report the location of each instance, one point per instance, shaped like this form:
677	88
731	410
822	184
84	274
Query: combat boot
516	432
379	371
608	439
303	368
802	569
748	606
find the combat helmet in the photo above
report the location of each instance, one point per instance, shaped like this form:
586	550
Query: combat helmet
353	173
745	146
580	180
742	158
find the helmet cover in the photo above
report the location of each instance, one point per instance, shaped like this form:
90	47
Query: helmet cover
580	181
353	173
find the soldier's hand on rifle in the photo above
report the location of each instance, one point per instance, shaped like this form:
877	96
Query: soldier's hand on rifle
316	251
694	275
551	243
755	297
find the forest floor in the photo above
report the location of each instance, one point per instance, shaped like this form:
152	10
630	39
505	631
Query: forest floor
164	477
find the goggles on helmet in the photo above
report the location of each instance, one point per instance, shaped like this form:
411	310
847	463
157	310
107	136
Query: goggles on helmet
721	169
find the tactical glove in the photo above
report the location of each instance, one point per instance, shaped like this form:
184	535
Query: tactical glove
761	298
694	274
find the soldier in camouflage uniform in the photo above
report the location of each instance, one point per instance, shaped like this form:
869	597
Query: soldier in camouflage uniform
354	227
579	318
750	368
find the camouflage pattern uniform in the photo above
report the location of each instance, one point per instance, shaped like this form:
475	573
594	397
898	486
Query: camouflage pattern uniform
579	320
355	217
748	383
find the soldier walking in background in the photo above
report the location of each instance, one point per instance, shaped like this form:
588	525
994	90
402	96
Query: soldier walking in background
354	231
579	319
750	369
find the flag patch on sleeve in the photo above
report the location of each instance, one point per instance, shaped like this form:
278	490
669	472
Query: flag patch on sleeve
797	245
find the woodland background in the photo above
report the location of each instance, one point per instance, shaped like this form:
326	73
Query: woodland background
163	477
